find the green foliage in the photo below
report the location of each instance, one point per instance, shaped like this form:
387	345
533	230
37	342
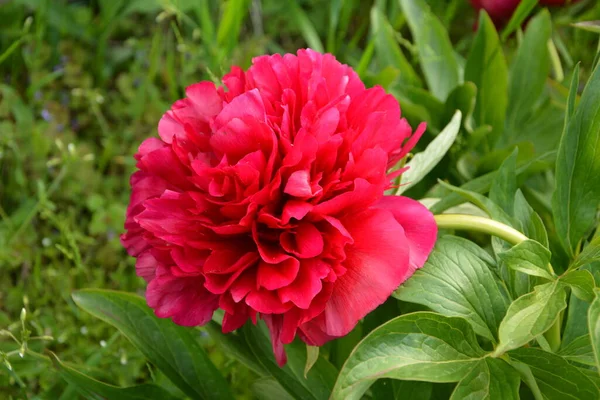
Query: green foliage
491	379
577	194
425	161
418	346
437	58
93	389
514	316
528	74
486	68
318	382
556	378
170	347
531	315
528	257
459	280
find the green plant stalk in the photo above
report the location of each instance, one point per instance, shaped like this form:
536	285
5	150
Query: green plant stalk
552	335
505	232
480	224
559	74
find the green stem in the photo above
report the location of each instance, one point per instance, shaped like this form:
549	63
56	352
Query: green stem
505	232
480	224
552	335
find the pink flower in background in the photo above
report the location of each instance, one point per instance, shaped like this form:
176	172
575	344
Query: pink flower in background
265	198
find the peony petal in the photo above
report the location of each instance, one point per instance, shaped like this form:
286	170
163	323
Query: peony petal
266	302
377	263
418	224
221	270
189	259
298	184
183	299
275	276
362	195
163	163
275	325
145	266
307	284
306	242
203	95
236	314
296	209
249	104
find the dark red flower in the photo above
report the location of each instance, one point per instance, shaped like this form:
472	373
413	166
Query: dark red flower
500	11
265	198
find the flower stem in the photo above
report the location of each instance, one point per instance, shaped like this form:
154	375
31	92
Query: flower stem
480	224
552	335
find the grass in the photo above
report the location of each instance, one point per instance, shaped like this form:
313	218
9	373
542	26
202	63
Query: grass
82	83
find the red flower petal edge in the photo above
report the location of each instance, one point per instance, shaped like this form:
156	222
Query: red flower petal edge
265	198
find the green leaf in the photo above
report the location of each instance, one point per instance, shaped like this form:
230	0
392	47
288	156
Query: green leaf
171	348
542	128
269	389
312	355
518	17
436	54
529	257
590	254
422	163
572	98
483	183
387	49
592	375
235	345
590	26
487	205
342	347
320	379
577	194
486	68
531	222
527	377
504	186
90	388
577	315
461	98
457	280
417	346
419	105
490	379
493	160
231	23
531	315
334	16
579	350
413	390
582	284
528	73
556	378
594	328
304	24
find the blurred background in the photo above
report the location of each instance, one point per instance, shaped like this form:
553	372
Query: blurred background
82	83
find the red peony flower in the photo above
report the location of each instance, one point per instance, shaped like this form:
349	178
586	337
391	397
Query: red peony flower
500	11
265	198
